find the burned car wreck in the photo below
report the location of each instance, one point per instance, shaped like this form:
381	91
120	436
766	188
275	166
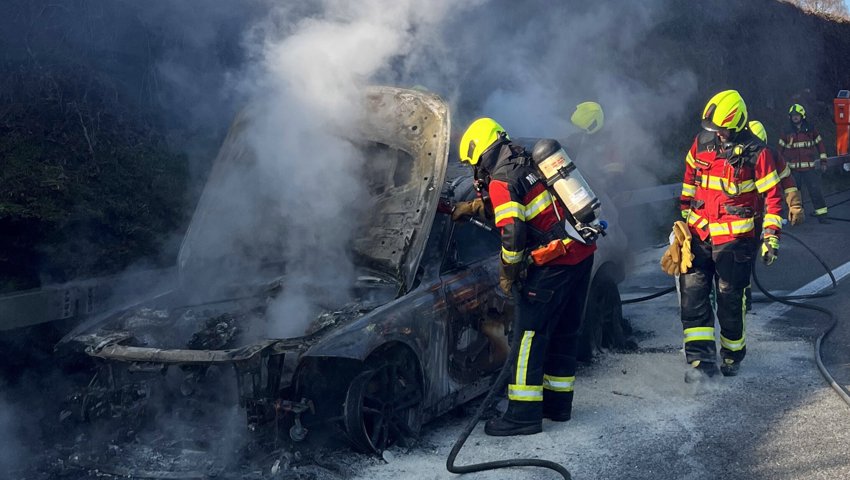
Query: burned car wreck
420	331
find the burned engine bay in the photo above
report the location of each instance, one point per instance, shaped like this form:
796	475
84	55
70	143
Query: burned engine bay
149	358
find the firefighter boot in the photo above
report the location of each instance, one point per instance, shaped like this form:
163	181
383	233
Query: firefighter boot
557	406
729	367
521	418
700	370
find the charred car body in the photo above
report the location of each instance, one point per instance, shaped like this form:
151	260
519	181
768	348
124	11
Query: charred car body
422	330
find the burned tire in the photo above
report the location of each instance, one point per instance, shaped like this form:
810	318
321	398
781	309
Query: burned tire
382	407
603	325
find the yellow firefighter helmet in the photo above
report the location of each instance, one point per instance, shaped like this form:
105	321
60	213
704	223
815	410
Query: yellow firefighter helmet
726	111
480	136
588	117
797	109
758	130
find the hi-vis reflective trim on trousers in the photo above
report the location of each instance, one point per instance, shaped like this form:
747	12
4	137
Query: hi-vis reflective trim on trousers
558	384
509	256
723	185
509	210
736	227
525	393
522	359
688	190
699	333
772	221
519	390
696	220
767	182
734	345
821	211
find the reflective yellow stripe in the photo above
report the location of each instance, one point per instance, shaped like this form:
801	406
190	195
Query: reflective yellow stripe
785	172
822	155
689	159
558	384
772	221
802	165
802	144
821	211
782	143
688	190
509	210
522	359
696	220
734	345
818	139
510	256
791	190
722	185
686	214
699	333
537	205
735	227
767	182
525	393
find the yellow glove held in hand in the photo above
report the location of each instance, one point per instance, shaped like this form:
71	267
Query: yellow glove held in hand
678	258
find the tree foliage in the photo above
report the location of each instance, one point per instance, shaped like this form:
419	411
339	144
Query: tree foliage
88	184
834	8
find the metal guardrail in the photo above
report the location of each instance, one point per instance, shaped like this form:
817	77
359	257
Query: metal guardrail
77	299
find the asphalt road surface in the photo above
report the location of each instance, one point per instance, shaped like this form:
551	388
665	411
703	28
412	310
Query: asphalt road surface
635	418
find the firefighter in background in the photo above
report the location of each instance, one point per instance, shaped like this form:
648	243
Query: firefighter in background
730	183
793	199
552	293
802	147
596	149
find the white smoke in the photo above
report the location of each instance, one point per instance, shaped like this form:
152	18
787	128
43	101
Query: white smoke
310	90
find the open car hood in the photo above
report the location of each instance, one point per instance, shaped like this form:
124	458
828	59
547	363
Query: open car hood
405	139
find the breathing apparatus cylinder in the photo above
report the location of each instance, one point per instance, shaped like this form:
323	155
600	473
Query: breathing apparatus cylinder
567	183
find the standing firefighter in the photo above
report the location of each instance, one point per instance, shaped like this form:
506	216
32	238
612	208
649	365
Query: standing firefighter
730	183
792	195
550	270
802	147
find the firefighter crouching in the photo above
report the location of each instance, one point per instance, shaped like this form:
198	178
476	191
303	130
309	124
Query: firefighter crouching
802	147
730	184
551	270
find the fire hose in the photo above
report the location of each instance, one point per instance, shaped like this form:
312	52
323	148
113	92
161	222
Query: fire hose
497	388
789	300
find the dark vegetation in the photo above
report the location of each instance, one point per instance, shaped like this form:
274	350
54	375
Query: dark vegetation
103	145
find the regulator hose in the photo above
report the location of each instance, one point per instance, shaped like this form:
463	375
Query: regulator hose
840	389
497	387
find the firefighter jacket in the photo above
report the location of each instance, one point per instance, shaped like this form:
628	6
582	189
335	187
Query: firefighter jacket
527	215
801	146
722	197
786	181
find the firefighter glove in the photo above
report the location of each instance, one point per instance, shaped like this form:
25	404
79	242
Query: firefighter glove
470	209
796	214
510	274
769	250
678	257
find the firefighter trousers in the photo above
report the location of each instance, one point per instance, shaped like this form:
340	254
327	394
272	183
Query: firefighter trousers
550	309
810	181
728	268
